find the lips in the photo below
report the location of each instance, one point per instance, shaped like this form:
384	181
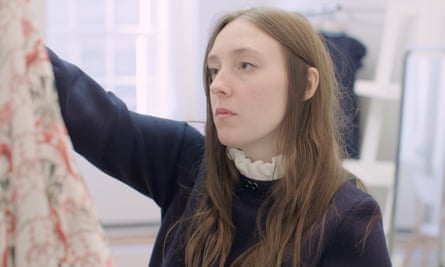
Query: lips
223	113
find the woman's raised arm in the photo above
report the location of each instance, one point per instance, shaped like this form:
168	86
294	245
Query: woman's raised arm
152	155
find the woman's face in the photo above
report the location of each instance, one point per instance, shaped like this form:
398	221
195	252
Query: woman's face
249	89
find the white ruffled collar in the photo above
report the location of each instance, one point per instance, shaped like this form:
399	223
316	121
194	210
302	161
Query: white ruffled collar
258	170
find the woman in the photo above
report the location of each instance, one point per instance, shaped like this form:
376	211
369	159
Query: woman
266	186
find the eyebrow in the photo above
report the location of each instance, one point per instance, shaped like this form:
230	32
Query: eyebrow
238	51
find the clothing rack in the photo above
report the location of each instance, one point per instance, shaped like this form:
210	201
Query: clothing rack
323	9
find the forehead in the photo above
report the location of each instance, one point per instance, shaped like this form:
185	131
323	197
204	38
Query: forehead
242	35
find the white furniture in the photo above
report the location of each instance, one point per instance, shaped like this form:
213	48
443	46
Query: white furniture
421	158
378	175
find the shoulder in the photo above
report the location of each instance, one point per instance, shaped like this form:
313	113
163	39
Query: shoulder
352	208
349	197
354	230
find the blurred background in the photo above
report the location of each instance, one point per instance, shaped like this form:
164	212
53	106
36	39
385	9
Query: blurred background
390	60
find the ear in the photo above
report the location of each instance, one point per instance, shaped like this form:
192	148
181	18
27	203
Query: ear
313	79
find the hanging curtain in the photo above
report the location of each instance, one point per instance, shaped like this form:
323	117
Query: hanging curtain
47	218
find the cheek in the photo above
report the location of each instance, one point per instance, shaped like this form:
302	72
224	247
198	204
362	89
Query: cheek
272	87
213	101
272	104
265	97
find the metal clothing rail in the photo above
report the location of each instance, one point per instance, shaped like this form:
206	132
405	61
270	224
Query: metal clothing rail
323	9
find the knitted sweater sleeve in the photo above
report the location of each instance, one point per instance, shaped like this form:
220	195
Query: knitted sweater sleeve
155	156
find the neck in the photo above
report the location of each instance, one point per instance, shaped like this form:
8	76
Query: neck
259	154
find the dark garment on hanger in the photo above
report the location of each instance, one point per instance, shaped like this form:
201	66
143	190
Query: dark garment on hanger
347	54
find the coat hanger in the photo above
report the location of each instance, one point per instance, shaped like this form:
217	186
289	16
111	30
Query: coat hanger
328	18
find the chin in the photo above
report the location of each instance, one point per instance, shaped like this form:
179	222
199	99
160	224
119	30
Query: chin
227	141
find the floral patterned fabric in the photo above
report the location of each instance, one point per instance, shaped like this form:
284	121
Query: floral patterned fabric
47	218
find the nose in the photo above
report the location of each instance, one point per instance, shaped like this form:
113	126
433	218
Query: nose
221	84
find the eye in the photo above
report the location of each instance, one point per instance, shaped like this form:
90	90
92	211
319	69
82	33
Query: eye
246	66
212	72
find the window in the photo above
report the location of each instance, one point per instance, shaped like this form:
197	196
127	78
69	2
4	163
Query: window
112	40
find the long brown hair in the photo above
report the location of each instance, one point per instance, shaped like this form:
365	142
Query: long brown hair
310	147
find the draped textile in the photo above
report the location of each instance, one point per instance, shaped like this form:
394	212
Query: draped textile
47	218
